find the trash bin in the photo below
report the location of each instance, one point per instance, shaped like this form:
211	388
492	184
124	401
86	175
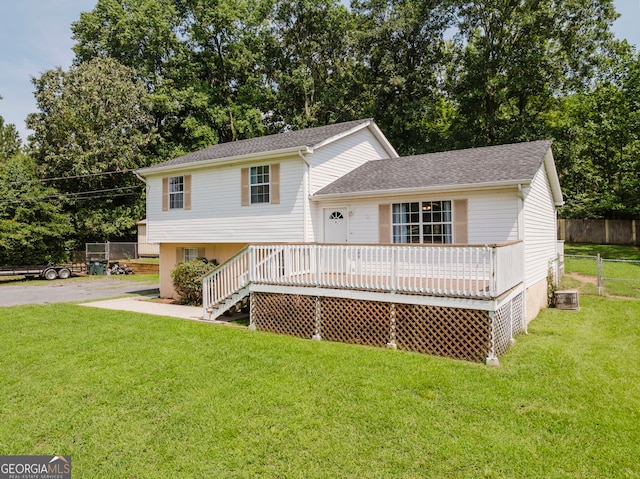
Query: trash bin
98	268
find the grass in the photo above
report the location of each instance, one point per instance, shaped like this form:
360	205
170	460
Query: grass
605	250
130	395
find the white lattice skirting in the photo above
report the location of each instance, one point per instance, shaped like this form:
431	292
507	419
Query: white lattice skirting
473	335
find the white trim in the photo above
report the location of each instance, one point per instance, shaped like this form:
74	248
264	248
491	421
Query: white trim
447	302
421	191
366	124
552	175
196	165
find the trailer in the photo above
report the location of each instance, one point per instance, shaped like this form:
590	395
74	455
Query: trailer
43	272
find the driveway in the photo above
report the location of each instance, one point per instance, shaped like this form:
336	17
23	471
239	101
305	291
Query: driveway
72	290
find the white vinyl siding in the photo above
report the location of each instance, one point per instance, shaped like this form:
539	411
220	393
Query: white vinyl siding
492	215
336	159
216	213
540	231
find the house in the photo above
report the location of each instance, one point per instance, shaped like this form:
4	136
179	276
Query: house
335	236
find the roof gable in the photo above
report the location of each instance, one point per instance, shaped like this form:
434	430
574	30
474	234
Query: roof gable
492	165
309	138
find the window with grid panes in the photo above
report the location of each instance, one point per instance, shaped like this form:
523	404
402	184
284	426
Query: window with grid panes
259	182
176	192
426	222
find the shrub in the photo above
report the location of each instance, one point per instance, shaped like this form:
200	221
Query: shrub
187	279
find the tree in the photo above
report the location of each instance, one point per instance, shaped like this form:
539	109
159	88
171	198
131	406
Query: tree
516	57
310	60
403	56
10	142
33	227
223	74
93	128
601	173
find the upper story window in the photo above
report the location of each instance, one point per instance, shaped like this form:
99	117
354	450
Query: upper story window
427	222
260	185
176	192
259	181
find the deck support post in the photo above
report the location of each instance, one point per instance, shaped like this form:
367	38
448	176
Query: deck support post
392	332
317	336
492	359
252	323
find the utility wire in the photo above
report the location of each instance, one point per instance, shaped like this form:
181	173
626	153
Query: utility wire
81	195
44	180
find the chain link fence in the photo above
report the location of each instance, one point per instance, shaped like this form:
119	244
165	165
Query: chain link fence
612	276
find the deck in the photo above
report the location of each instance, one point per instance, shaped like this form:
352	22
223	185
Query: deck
462	301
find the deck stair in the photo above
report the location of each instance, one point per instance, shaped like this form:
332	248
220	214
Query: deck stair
230	303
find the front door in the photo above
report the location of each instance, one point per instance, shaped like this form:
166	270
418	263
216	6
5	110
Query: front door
335	225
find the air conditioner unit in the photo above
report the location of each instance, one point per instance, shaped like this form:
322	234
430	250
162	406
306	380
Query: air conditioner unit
567	299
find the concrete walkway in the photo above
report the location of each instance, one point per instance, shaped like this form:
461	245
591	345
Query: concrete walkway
143	304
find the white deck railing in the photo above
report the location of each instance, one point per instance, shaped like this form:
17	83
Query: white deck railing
460	271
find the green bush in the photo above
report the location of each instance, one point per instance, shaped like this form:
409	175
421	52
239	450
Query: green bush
187	279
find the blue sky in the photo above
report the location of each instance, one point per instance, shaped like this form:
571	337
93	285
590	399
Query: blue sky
35	36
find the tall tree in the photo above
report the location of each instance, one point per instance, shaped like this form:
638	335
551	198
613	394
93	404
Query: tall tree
94	119
144	35
517	56
310	64
601	170
223	75
404	55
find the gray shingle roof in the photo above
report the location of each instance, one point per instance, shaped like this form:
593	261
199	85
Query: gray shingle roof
513	162
309	137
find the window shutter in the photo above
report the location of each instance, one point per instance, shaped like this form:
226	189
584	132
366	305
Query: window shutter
187	192
201	252
460	222
244	189
165	194
384	224
274	187
179	255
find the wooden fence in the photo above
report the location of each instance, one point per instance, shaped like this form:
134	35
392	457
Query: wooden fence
622	232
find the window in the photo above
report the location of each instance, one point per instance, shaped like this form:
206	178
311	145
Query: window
259	181
176	192
427	222
190	253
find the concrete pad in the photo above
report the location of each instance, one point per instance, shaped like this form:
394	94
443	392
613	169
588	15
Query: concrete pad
141	304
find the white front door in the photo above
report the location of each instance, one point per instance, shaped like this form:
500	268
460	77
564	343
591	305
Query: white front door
335	225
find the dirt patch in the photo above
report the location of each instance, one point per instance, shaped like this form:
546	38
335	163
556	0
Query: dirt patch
583	278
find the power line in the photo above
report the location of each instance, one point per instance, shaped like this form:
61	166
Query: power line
88	175
81	195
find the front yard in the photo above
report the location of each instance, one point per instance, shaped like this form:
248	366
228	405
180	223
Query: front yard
130	395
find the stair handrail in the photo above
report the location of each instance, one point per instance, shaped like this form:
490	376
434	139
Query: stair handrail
228	278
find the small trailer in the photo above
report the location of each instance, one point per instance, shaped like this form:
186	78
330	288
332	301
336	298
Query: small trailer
43	272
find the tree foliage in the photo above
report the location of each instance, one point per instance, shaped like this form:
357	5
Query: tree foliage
94	120
33	227
602	176
10	142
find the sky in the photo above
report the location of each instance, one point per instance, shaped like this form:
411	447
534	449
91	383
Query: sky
35	36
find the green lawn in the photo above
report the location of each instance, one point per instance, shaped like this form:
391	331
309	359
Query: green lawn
136	396
606	251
